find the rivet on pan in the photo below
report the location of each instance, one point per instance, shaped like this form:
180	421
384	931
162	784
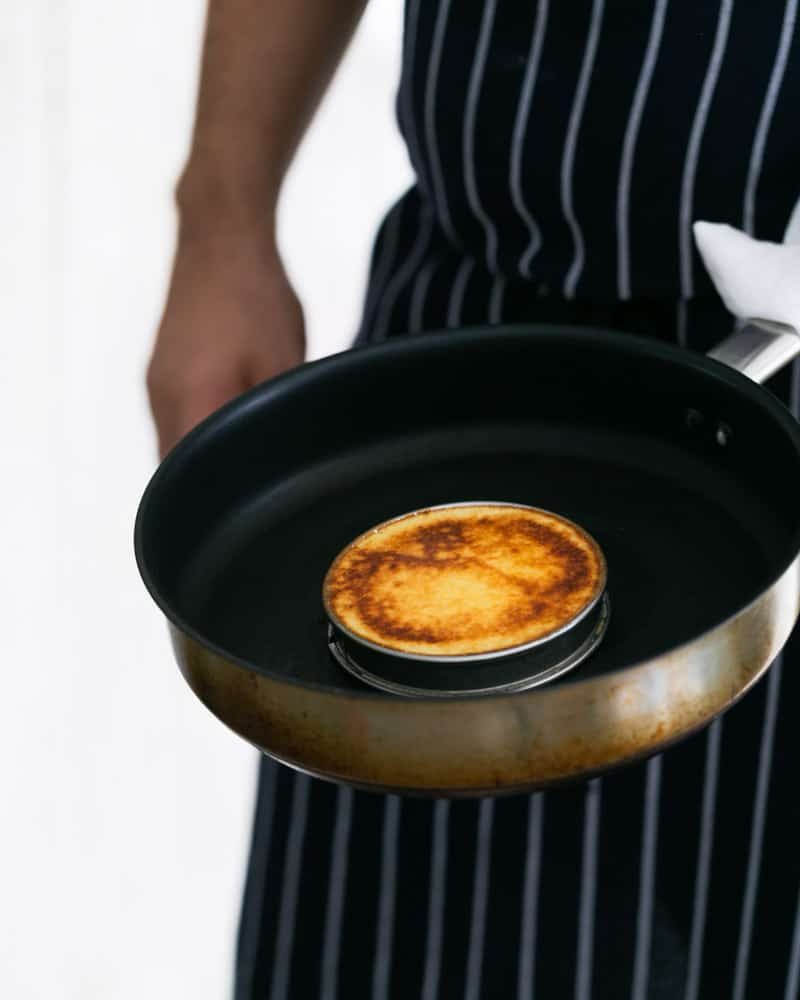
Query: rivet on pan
694	419
723	434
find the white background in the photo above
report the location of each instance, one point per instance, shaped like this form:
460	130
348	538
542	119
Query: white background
124	806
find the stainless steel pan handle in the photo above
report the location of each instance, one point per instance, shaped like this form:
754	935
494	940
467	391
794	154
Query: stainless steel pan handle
759	349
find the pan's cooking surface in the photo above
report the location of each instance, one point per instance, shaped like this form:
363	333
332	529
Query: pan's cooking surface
686	545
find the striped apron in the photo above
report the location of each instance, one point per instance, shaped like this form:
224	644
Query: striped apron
561	153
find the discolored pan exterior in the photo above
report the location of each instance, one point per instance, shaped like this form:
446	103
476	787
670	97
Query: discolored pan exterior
500	744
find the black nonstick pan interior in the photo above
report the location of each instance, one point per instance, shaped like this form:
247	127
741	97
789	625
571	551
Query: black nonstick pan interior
684	473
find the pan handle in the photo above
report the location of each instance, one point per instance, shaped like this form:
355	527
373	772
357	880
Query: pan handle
759	349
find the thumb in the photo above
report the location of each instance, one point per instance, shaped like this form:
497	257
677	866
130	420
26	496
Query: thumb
269	362
187	412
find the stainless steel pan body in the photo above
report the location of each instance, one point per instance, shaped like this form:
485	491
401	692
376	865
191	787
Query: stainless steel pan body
686	471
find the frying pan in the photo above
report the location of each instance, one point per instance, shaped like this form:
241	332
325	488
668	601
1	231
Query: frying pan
685	470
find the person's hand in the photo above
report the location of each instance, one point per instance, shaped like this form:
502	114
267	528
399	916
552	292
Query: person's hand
231	320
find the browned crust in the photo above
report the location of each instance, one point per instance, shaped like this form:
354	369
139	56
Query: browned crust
465	579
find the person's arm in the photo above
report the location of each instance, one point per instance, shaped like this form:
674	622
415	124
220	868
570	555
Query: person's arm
231	318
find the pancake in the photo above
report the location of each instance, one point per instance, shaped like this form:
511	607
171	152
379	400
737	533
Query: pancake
464	580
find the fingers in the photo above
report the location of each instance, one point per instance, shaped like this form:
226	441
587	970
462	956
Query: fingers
266	367
273	354
221	333
177	407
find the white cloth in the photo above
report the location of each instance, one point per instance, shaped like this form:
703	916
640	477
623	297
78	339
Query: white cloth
755	278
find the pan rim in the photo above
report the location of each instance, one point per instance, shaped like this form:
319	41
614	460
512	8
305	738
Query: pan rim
274	388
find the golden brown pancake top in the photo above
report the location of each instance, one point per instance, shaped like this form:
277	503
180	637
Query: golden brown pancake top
465	579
